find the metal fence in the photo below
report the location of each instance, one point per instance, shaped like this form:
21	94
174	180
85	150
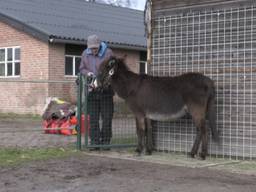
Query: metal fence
27	97
221	43
92	131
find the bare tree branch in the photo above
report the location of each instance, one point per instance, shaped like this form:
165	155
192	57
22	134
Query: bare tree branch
120	3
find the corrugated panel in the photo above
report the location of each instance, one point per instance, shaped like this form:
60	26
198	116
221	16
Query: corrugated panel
78	19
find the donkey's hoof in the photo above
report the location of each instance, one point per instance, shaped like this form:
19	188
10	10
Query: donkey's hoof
138	152
203	156
192	155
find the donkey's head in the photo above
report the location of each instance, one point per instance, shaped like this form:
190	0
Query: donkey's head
106	71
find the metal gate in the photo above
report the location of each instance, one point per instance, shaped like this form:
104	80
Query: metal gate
219	42
123	129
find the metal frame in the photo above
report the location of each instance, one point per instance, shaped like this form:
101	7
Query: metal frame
83	89
221	43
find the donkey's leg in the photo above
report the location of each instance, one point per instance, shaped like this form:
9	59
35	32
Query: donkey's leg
149	143
204	139
140	128
196	144
201	135
139	145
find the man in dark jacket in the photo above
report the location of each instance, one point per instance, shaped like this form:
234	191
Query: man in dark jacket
100	102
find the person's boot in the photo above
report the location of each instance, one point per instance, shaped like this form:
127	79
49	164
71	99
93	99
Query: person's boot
95	142
105	143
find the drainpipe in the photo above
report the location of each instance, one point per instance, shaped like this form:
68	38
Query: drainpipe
148	32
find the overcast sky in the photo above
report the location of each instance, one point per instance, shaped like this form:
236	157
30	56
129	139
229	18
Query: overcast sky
140	4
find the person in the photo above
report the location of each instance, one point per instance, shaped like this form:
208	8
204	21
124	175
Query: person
100	102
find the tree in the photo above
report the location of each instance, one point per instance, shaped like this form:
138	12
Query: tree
120	3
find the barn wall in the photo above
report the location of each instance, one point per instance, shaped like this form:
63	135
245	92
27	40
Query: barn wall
220	43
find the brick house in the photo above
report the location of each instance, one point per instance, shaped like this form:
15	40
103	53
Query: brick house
41	43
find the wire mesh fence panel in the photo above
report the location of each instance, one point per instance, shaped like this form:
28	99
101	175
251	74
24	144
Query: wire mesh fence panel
109	122
220	43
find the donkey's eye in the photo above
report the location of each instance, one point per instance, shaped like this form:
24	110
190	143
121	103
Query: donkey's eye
111	63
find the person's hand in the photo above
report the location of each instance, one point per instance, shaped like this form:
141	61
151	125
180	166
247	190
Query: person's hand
90	74
91	87
90	81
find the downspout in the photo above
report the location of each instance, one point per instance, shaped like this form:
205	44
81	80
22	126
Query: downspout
148	32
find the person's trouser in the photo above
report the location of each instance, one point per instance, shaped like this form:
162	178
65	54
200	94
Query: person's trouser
100	104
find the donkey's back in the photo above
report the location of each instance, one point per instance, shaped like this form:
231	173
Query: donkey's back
168	98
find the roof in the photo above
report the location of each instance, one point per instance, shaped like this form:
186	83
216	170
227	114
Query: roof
71	21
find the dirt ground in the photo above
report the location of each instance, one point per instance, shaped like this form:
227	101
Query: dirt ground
113	171
28	133
100	174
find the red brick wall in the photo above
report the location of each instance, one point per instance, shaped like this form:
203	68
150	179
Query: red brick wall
65	90
68	91
40	61
24	97
132	58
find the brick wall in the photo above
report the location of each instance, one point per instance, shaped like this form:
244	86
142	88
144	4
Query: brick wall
132	58
24	97
68	91
40	61
65	90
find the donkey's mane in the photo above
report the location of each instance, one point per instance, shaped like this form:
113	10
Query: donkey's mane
124	68
121	64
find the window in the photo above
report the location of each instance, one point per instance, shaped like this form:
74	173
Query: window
10	62
143	62
72	64
143	67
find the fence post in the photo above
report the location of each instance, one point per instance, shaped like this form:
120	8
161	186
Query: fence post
85	111
79	105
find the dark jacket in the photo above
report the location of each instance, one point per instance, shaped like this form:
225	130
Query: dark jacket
91	63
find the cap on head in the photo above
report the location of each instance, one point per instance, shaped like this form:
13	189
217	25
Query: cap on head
93	41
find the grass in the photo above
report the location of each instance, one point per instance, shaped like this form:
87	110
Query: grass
19	116
247	165
16	156
124	140
241	167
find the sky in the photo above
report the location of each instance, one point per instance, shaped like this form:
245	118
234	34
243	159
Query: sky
140	4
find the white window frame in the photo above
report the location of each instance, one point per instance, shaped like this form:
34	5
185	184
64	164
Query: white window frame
145	64
73	65
5	62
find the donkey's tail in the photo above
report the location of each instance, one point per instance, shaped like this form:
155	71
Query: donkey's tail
212	116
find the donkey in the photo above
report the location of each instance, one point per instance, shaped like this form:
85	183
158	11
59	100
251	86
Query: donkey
162	99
